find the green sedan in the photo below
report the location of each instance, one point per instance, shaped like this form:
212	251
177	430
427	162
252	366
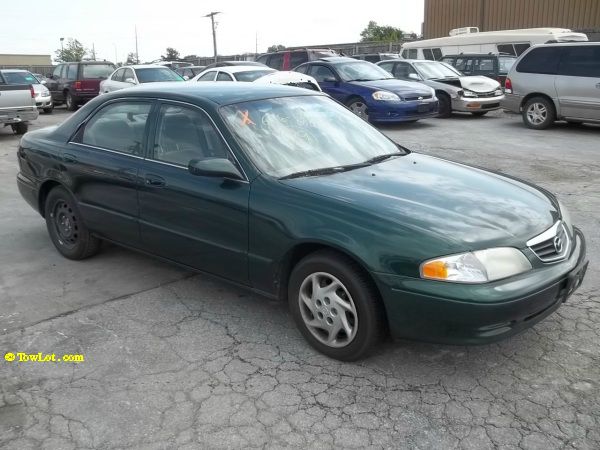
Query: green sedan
286	192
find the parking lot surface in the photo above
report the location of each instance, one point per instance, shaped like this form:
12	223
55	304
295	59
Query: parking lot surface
174	359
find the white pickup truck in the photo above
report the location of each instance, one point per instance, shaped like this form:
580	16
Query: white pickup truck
17	106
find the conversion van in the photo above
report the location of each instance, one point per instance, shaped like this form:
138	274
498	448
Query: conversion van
471	40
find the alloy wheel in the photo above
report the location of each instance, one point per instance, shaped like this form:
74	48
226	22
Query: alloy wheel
328	310
360	109
537	113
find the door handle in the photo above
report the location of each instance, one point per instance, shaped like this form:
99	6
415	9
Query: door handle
598	86
69	158
155	181
128	174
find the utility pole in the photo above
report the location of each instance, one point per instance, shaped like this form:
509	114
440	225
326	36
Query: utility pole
256	43
214	32
93	52
62	50
137	55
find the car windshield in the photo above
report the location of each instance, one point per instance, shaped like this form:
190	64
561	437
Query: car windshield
505	63
20	78
252	75
97	70
155	74
361	71
289	135
436	70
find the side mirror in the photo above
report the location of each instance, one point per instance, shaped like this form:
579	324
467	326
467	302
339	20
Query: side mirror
130	81
330	79
414	76
185	77
43	82
214	167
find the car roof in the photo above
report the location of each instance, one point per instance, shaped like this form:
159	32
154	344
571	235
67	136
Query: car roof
13	70
568	44
143	66
337	59
238	69
216	92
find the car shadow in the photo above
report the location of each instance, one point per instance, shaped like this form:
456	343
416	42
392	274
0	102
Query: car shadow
419	125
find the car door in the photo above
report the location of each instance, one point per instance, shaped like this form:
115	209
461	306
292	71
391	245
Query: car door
103	161
578	82
52	83
114	82
329	81
208	76
198	221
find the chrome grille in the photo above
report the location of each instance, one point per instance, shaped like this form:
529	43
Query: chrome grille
552	245
419	97
486	94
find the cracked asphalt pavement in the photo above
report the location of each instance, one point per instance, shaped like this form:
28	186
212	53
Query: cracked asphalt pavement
174	359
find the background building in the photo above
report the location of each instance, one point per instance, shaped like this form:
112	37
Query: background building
490	15
35	63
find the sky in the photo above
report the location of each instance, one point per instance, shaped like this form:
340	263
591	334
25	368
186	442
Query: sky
36	26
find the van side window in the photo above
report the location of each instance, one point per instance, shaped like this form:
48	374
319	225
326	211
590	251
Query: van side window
543	60
520	48
509	49
57	72
437	53
580	62
428	54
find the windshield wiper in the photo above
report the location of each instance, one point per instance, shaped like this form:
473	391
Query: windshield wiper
380	158
362	79
325	171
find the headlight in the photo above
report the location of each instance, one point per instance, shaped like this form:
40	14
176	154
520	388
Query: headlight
566	217
468	94
477	267
46	93
385	95
498	92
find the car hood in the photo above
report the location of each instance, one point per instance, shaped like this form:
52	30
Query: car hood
396	86
287	77
472	83
467	207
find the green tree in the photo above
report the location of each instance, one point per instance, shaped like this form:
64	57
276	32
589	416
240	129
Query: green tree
171	55
380	33
71	52
275	48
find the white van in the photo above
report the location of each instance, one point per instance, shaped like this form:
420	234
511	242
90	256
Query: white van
471	40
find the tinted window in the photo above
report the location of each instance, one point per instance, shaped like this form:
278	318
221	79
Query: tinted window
413	53
118	75
464	64
542	60
506	48
57	71
449	60
262	59
20	78
71	72
403	70
276	61
428	54
372	58
303	69
484	66
297	58
128	74
321	73
520	48
118	126
97	70
184	134
208	76
580	62
505	63
252	75
156	74
222	76
437	53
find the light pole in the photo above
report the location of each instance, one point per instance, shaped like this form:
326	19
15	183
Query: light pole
212	20
62	51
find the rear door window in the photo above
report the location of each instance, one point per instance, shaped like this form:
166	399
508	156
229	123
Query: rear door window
484	66
389	66
95	71
321	73
119	127
58	71
71	72
223	76
543	60
581	61
276	61
208	76
118	75
297	58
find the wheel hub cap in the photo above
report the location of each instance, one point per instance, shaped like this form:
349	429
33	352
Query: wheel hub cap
328	309
537	113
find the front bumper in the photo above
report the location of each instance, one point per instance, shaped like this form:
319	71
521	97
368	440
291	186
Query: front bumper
463	104
405	111
43	101
479	314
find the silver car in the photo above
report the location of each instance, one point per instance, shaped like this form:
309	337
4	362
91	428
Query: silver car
128	76
43	99
555	82
456	92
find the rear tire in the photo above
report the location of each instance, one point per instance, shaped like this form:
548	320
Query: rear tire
66	228
70	102
49	110
335	306
445	106
20	128
359	107
539	113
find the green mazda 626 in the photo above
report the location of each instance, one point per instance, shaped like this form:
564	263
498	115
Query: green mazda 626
286	192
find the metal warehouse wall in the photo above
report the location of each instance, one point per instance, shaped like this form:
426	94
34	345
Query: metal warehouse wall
443	15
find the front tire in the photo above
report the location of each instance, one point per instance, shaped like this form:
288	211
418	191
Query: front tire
49	110
70	102
66	228
445	106
539	113
335	306
359	107
20	128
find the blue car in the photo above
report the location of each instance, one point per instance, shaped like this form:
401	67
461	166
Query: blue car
371	92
